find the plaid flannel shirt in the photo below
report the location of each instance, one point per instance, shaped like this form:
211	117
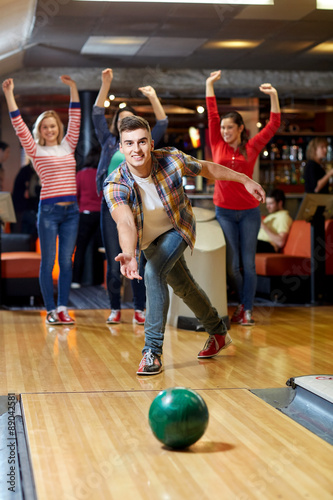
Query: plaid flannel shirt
169	166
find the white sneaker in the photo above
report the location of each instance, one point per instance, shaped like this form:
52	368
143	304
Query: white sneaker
247	319
75	285
139	317
114	317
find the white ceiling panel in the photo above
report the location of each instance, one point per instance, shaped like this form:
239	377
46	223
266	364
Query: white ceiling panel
160	38
283	10
113	45
16	25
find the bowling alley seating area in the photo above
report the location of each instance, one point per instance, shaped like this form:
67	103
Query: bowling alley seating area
20	264
285	276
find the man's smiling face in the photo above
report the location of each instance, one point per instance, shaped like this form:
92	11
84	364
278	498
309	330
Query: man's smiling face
137	145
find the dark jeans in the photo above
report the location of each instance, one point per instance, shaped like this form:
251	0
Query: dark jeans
241	228
54	221
89	230
165	266
265	247
113	275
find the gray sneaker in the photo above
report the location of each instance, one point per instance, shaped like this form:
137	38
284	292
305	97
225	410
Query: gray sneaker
150	364
52	318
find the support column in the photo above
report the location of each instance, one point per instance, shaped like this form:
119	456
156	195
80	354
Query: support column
87	140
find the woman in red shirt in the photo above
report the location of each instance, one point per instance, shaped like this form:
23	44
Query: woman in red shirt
236	211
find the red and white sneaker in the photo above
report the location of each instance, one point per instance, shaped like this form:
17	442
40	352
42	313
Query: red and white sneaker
247	319
150	364
214	344
139	317
238	314
65	318
114	317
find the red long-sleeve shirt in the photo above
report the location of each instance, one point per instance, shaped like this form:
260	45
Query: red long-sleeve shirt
228	194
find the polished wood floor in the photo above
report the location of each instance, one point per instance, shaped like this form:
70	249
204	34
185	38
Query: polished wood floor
86	411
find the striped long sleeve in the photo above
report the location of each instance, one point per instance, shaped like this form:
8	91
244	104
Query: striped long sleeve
55	165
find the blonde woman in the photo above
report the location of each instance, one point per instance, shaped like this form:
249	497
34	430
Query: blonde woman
52	156
315	176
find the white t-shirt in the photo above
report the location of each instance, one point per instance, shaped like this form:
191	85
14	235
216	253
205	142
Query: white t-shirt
155	218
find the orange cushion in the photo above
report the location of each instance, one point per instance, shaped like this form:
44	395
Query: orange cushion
272	264
299	239
20	265
295	256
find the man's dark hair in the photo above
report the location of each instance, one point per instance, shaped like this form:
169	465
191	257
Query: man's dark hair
130	123
3	145
277	194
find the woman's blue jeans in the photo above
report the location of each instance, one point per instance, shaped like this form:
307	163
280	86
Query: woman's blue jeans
166	265
113	275
240	228
62	221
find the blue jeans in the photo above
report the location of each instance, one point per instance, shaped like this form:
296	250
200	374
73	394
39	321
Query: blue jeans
166	265
113	275
240	228
62	221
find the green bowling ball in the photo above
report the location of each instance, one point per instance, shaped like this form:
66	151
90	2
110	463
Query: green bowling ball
178	417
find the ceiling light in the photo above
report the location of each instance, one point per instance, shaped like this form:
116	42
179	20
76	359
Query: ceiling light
112	97
195	137
326	47
215	2
106	104
122	105
233	44
200	109
325	4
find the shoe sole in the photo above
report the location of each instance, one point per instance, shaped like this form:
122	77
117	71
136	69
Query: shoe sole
135	322
149	373
224	347
247	324
112	322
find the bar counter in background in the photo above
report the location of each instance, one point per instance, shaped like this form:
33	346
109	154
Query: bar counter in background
205	200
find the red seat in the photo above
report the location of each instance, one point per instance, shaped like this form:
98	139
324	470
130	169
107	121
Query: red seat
294	259
20	265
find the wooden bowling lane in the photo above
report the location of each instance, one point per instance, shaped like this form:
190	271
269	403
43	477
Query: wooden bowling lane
92	356
100	446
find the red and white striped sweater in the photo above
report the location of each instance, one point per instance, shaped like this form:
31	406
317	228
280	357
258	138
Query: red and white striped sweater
55	165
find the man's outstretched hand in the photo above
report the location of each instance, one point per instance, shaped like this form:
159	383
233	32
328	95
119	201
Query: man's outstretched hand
128	266
255	189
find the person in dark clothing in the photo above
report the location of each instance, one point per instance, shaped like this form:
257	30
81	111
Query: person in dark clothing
89	225
25	197
316	178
